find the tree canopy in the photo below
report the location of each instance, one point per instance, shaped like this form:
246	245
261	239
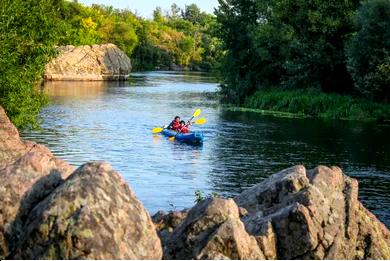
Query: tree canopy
302	44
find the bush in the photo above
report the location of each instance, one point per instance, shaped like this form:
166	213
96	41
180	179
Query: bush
368	51
28	31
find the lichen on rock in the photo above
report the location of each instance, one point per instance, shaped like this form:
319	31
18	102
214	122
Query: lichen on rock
92	215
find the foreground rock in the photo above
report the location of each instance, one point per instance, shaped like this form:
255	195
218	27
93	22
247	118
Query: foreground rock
294	214
165	223
313	215
92	215
212	230
105	62
28	173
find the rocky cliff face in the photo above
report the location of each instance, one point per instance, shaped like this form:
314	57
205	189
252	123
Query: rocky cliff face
48	210
105	62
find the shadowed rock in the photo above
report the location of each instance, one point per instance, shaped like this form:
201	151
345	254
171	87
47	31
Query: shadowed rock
165	223
92	215
212	230
313	215
28	173
89	63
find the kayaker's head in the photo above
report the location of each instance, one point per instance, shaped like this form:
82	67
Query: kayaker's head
182	123
177	119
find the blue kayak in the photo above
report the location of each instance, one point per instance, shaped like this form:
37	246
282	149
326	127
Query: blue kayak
195	137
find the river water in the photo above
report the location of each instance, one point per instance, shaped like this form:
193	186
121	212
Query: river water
112	122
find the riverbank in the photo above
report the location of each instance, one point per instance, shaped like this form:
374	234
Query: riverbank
314	104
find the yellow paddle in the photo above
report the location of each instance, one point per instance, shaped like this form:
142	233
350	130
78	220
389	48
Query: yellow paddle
199	121
196	114
157	130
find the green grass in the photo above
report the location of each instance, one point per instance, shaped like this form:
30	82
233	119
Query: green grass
313	103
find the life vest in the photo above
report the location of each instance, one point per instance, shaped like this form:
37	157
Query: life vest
184	129
175	125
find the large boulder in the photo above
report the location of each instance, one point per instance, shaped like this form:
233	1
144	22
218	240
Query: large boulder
299	214
212	230
92	215
105	62
28	173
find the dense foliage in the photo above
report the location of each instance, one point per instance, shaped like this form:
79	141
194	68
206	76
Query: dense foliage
177	39
97	24
368	51
29	29
174	39
301	44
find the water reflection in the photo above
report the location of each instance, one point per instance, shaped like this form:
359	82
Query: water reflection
112	122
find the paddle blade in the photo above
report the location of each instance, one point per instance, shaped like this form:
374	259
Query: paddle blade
171	138
201	121
157	130
196	113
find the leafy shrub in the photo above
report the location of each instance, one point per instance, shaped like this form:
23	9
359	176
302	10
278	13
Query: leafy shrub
29	29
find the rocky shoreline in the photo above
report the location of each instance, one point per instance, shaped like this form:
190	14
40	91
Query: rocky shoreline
49	210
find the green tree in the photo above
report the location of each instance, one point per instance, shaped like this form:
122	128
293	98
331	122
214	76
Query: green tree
175	11
319	29
193	14
368	50
29	29
158	15
239	65
294	44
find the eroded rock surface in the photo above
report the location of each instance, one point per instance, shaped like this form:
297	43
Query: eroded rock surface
212	230
89	63
28	173
165	223
92	215
313	214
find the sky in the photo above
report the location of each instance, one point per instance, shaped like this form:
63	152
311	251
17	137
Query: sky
145	8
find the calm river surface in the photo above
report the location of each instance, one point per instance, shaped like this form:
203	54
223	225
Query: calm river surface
113	122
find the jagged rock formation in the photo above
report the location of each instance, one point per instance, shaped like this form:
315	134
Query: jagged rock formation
294	214
212	230
50	211
92	215
28	173
105	62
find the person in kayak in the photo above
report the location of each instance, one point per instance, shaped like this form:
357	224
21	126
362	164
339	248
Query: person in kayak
184	128
175	124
